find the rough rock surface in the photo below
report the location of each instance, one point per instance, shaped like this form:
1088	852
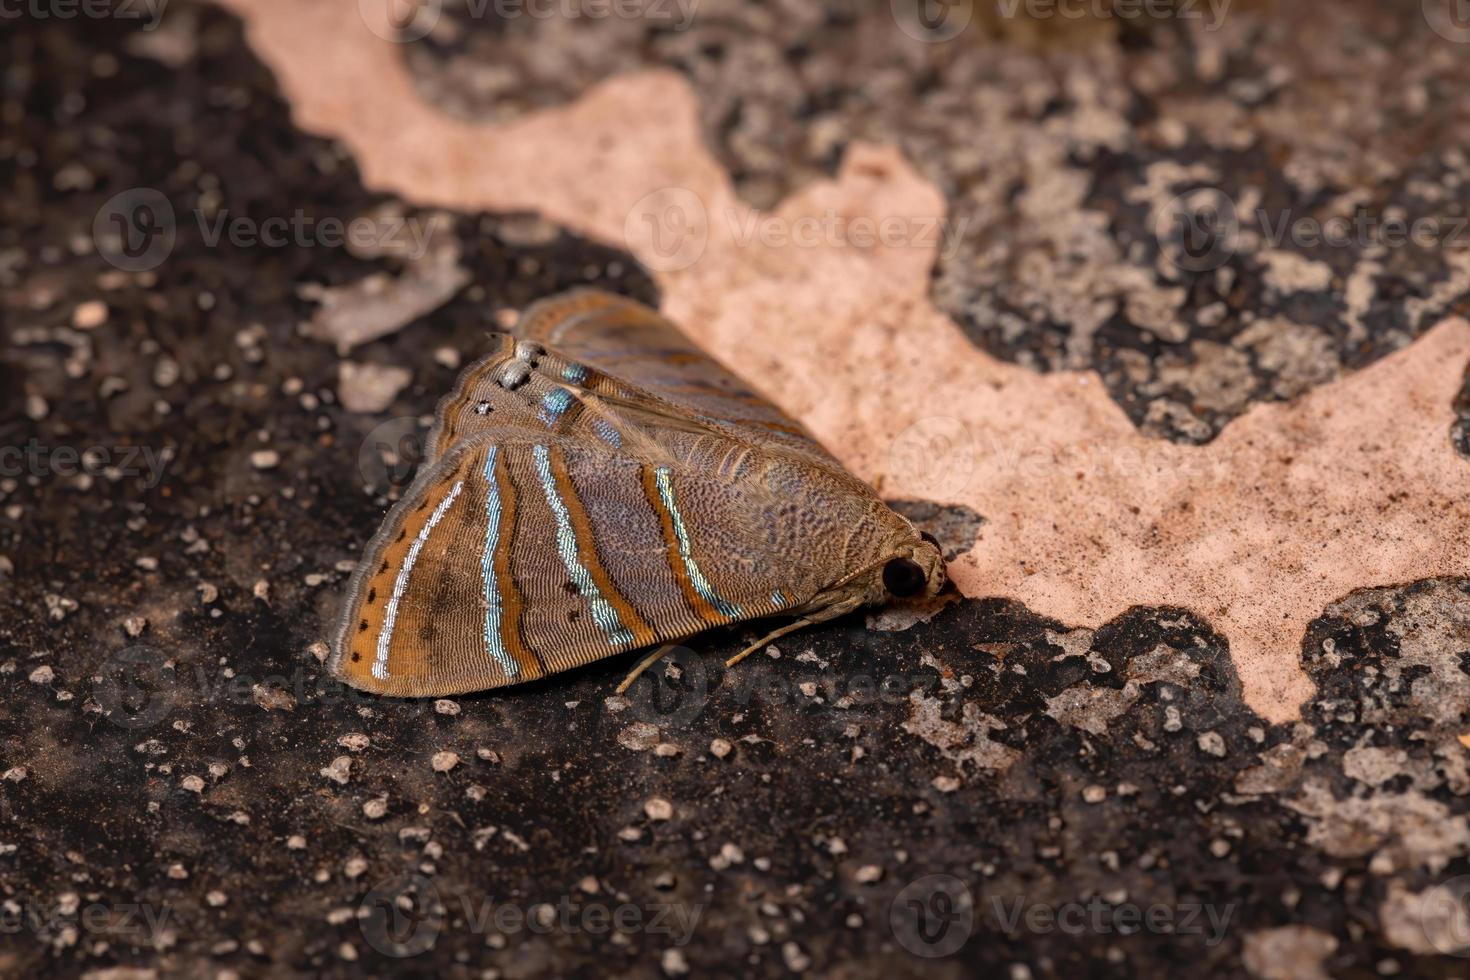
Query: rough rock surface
182	793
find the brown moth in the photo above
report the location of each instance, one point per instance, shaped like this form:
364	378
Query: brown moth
595	485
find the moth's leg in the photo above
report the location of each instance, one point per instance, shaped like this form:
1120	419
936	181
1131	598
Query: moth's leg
773	635
643	665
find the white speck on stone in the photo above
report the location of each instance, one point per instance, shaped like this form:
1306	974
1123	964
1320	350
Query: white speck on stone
194	784
339	771
370	388
42	675
265	459
444	761
1094	793
1212	744
444	706
719	748
354	741
658	808
868	874
945	784
729	854
674	963
89	315
796	960
640	736
376	808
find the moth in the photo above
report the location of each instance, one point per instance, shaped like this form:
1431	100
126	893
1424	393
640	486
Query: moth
594	485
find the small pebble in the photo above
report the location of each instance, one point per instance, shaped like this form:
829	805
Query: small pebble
674	963
658	808
89	315
354	741
339	771
638	737
444	761
719	748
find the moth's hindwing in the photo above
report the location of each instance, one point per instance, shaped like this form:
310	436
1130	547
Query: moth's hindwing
525	551
630	361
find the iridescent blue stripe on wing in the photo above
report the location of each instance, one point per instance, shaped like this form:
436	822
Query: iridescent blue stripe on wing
609	435
400	584
663	476
574	373
494	643
603	613
554	403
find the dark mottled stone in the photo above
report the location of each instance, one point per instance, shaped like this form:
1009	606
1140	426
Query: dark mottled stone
1070	150
171	748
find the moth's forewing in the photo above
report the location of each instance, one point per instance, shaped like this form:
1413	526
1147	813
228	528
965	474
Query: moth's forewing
524	553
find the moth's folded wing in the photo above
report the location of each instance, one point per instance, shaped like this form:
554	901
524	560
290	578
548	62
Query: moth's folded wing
479	403
522	553
626	340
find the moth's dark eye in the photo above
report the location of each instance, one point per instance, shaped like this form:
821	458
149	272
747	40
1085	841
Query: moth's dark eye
903	577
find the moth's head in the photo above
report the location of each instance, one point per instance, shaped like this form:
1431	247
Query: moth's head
913	568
